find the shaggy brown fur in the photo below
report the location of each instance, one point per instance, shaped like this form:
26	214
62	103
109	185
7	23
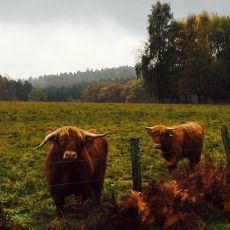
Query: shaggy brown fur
176	143
84	175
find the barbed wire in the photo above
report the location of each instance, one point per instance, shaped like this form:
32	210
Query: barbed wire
77	182
96	159
109	154
127	130
74	161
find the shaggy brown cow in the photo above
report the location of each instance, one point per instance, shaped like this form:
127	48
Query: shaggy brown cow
176	143
75	163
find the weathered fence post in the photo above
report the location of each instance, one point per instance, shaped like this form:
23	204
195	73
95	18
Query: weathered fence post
226	142
136	164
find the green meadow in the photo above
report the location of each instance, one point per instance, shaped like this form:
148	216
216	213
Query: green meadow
23	125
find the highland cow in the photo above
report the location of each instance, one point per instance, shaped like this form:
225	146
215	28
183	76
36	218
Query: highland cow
75	164
176	143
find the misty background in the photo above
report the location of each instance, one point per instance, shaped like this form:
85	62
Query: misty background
54	36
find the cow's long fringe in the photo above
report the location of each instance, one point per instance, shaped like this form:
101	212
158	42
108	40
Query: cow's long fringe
189	201
64	131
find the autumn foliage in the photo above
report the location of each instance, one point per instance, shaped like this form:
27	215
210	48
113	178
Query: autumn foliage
189	201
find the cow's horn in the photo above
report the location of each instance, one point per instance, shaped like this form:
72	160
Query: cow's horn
169	128
95	135
145	127
47	138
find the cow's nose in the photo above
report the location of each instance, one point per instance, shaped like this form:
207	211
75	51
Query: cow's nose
70	155
157	145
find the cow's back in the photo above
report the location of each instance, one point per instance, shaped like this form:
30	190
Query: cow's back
190	136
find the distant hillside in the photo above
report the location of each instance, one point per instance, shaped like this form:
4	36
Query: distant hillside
120	74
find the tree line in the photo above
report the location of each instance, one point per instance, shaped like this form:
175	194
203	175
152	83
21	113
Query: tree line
113	79
130	92
186	60
118	74
14	90
101	91
183	61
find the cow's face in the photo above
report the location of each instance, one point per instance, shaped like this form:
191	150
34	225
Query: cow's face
69	143
160	135
156	136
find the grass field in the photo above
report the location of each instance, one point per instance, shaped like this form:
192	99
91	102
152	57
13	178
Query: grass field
23	190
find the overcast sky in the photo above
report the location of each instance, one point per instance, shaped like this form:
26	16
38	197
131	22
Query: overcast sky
40	37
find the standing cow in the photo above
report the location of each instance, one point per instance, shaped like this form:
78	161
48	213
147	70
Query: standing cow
176	143
75	163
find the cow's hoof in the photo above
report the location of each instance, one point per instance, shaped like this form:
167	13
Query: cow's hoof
88	205
59	213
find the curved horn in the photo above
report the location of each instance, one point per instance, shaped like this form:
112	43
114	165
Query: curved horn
145	127
95	135
170	128
47	138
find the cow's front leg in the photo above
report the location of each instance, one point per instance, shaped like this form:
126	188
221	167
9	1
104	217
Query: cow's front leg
85	192
59	211
172	164
88	202
59	200
194	160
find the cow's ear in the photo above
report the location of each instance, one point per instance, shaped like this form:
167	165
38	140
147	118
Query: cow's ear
88	141
149	131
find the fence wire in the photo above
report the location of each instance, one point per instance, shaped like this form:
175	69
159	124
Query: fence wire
77	182
127	133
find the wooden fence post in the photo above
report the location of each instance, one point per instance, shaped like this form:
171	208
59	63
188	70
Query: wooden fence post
136	164
226	142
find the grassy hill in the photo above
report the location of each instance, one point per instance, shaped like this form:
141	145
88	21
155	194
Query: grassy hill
23	190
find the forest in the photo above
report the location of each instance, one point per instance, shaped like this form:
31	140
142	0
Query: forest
71	86
183	61
186	60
